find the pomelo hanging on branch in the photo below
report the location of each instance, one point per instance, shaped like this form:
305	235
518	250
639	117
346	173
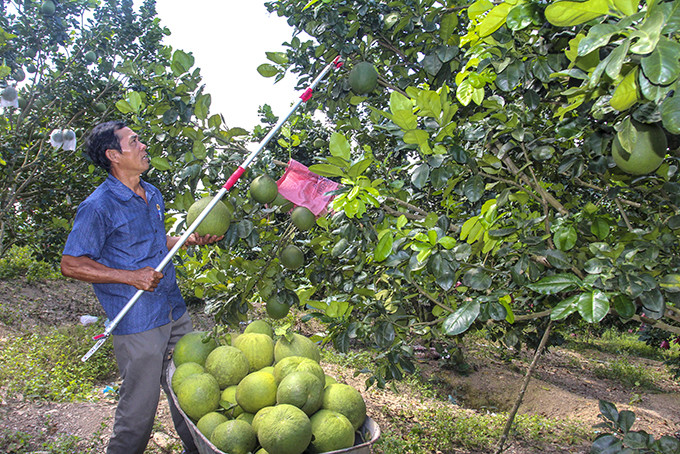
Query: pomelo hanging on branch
363	78
215	223
639	148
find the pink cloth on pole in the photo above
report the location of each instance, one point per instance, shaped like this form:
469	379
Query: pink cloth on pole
305	188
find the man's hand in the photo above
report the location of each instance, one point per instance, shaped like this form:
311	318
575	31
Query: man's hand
196	240
145	279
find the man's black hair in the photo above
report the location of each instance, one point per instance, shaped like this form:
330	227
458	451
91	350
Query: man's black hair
101	138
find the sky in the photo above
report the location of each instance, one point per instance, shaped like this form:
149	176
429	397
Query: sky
228	40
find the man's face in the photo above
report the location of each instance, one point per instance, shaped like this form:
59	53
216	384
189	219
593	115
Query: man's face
133	156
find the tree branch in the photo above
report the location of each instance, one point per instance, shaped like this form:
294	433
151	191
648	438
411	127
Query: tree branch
538	188
657	324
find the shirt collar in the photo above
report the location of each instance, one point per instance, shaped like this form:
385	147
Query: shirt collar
122	192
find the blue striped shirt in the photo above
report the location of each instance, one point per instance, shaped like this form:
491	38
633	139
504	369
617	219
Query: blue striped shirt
115	227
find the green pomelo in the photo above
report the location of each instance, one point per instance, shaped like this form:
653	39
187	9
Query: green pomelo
259	326
331	431
234	437
261	451
285	430
346	400
100	107
292	257
19	75
47	8
22	102
302	389
215	223
303	218
276	309
256	391
90	56
329	380
228	365
9	94
259	416
258	349
69	134
198	395
648	151
247	417
192	348
263	189
228	402
298	345
291	364
363	78
209	421
183	371
268	369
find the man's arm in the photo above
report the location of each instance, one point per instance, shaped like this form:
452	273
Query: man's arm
85	269
193	240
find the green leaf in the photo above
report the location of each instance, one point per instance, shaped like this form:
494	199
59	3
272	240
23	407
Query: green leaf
600	228
520	17
624	306
202	107
277	57
461	319
598	36
670	114
399	102
267	70
473	188
447	26
565	237
662	66
609	411
626	93
339	146
606	444
479	7
477	279
124	107
625	420
636	440
558	259
557	283
593	306
135	101
616	59
327	170
564	308
464	92
384	247
568	14
494	19
160	163
670	283
181	62
421	176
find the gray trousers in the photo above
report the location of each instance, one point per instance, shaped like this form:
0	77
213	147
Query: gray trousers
142	361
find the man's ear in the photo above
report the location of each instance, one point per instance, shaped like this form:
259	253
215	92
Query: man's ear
112	154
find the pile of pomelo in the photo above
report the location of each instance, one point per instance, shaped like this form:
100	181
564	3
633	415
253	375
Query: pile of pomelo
263	395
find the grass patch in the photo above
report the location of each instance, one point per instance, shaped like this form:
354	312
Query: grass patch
629	374
445	430
622	343
47	365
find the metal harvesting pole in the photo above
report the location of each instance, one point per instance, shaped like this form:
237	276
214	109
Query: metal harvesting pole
306	96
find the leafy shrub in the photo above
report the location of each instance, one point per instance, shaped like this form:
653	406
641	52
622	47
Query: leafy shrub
47	365
621	439
20	261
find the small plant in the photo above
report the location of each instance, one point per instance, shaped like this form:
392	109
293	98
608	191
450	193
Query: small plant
628	373
621	439
20	261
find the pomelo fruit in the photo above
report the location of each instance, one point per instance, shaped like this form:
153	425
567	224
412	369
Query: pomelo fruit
69	134
191	348
292	257
209	421
228	402
363	78
247	417
303	218
228	365
346	400
276	309
263	189
259	326
9	94
100	107
19	75
302	389
297	345
198	395
47	8
261	451
285	429
268	369
291	364
90	56
648	150
235	437
257	348
259	416
329	380
183	371
256	391
331	431
215	223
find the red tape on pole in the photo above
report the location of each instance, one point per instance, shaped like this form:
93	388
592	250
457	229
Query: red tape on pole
234	178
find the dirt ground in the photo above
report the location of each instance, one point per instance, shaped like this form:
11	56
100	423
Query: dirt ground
564	387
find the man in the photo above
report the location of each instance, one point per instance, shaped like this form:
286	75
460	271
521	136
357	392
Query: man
118	238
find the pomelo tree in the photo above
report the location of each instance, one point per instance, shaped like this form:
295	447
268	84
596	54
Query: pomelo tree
479	187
